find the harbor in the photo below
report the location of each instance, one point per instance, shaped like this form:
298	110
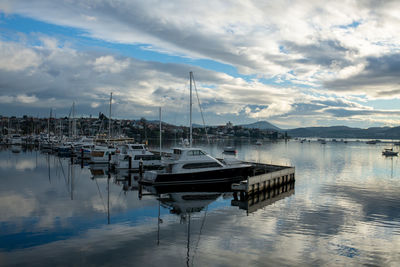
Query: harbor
118	219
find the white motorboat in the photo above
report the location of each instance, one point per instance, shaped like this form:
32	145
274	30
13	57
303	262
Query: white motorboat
101	154
193	165
128	156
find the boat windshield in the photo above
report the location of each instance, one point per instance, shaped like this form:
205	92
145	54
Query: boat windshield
195	153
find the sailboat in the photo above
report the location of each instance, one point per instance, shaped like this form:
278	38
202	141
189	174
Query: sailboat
188	165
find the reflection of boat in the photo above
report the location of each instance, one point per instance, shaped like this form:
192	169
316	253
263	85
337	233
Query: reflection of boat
258	143
99	171
16	148
184	203
389	152
371	142
193	165
181	203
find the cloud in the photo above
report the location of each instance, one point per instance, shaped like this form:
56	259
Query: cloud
109	64
256	38
378	79
14	57
344	48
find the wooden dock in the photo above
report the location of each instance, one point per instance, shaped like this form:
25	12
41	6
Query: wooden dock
265	177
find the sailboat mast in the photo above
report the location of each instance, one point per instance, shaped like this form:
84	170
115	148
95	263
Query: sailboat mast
160	131
73	120
191	127
109	120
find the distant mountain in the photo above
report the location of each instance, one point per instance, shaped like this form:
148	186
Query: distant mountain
262	125
346	132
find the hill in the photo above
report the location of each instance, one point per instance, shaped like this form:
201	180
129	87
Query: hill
262	125
346	132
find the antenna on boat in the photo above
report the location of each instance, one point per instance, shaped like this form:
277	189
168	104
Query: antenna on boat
191	127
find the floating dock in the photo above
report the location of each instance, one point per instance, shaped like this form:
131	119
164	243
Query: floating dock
265	177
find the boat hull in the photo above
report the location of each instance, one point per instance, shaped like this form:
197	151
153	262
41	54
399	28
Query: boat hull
233	174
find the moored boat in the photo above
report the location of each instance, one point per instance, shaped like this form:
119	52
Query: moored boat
193	165
389	152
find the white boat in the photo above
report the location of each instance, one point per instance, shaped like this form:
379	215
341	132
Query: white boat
193	165
16	139
389	152
128	156
101	154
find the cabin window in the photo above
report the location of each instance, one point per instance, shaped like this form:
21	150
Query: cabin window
195	153
177	151
147	157
137	147
201	165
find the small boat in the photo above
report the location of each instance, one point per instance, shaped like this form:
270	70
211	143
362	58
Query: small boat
230	150
371	142
258	143
389	152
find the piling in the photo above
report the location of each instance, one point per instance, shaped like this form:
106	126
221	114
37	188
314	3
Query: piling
140	169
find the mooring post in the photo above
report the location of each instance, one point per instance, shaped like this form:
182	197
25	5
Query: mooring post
140	169
81	158
130	162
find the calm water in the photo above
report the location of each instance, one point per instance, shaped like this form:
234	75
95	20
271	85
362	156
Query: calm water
344	210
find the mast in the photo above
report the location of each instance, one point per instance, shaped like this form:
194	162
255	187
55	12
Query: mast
109	120
191	127
73	121
160	130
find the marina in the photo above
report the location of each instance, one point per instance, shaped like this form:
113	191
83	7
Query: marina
51	207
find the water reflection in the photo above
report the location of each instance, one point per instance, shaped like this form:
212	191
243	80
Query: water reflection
262	199
345	212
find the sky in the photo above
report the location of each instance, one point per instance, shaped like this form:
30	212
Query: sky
292	63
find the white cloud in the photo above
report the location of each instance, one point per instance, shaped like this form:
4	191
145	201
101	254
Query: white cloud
14	57
110	64
26	99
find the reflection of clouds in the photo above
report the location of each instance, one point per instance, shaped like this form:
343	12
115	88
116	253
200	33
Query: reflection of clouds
14	205
20	165
25	164
5	164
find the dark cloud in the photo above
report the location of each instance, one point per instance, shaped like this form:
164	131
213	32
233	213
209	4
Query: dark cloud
341	112
381	77
323	53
